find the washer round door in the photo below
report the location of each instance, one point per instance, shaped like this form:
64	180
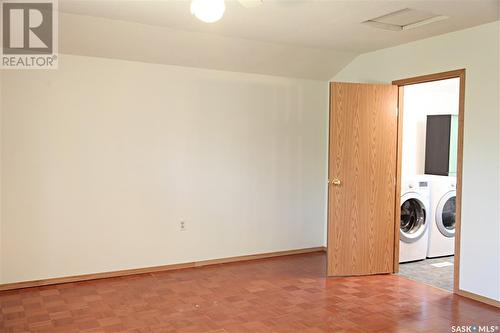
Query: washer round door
446	213
413	221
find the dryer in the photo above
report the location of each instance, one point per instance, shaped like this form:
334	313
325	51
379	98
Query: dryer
442	228
413	232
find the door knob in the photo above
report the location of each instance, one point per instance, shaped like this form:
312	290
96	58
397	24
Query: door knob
336	182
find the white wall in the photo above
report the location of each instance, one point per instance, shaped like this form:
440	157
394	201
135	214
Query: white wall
103	158
477	50
1	248
421	100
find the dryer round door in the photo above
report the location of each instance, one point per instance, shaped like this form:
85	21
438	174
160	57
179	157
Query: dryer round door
413	221
445	214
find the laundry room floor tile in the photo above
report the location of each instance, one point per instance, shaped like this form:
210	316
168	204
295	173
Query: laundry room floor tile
436	272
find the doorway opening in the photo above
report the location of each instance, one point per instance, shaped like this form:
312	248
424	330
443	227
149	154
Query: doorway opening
430	133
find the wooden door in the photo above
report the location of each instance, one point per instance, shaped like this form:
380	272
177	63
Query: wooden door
362	178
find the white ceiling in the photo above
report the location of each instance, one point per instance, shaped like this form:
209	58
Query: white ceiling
307	23
303	38
100	37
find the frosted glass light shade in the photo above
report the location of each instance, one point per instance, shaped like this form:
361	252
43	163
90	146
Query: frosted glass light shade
208	11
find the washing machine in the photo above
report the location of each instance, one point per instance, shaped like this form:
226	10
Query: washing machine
442	228
415	213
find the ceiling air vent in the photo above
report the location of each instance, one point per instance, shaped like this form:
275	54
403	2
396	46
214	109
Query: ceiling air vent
404	19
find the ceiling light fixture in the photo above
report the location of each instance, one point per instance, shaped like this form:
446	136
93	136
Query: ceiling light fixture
208	11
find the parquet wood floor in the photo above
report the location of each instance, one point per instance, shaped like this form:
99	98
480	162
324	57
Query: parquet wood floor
286	294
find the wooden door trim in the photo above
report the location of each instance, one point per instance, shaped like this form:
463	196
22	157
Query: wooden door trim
459	73
430	77
399	158
328	195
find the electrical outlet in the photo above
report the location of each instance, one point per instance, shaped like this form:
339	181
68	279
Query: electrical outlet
182	226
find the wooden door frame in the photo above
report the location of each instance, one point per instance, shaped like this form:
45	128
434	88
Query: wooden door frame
460	73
